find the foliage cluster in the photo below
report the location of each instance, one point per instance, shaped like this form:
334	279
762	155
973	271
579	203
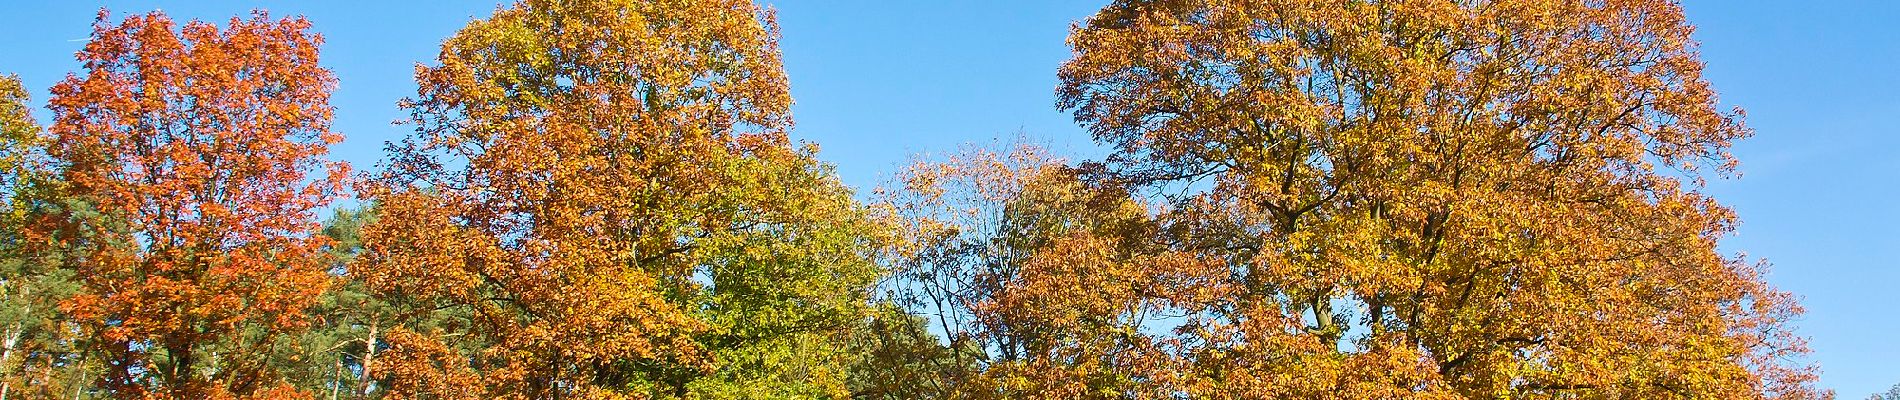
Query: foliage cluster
599	199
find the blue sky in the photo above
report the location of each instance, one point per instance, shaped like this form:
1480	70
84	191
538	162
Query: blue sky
878	81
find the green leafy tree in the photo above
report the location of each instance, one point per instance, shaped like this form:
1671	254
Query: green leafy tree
895	357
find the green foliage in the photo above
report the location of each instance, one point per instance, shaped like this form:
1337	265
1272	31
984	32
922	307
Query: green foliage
39	352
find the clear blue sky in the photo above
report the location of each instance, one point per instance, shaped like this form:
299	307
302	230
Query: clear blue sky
877	81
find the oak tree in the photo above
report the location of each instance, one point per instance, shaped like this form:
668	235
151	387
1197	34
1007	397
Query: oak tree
606	190
1433	199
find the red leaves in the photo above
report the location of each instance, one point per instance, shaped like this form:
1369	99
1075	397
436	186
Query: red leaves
196	146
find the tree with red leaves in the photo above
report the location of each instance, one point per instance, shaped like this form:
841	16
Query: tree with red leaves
200	149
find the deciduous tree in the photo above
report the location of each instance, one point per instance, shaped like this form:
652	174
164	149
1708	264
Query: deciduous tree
201	148
606	189
1046	282
1435	199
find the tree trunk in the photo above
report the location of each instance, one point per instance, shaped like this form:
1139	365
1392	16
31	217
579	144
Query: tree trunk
6	359
336	379
12	341
369	359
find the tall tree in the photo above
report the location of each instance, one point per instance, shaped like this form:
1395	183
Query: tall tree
1484	199
607	191
896	357
38	357
202	147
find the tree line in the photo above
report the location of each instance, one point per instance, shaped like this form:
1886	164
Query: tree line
1305	199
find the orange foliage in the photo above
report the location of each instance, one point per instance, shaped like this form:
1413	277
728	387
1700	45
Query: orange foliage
1437	199
189	156
1312	199
607	191
1359	200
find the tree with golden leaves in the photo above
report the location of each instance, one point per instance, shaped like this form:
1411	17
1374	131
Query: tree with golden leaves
1049	283
1425	199
605	191
197	152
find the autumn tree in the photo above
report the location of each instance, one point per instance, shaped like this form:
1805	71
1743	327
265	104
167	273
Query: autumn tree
1046	281
895	356
605	188
201	147
38	347
21	147
1422	199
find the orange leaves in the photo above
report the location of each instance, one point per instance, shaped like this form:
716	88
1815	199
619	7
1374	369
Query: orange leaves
195	145
605	192
1306	199
1365	200
1035	273
418	366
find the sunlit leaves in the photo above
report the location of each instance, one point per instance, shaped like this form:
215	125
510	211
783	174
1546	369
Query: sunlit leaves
600	199
199	149
607	189
1438	198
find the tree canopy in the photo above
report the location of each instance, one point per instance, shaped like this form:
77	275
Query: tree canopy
602	199
608	189
192	158
1437	198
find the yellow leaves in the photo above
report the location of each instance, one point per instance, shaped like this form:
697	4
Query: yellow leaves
19	133
1481	181
1021	254
1309	199
607	188
419	366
